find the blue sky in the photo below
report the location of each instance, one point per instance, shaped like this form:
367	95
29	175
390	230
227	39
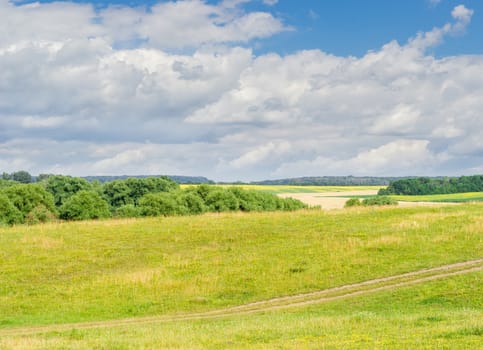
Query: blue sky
242	89
353	27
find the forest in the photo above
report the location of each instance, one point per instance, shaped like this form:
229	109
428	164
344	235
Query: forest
426	185
54	197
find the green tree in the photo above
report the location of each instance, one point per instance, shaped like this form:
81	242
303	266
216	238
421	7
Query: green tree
162	203
64	187
131	190
128	211
84	205
22	176
9	214
25	197
222	200
192	202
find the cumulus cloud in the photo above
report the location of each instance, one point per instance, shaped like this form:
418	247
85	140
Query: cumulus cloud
165	25
114	91
462	16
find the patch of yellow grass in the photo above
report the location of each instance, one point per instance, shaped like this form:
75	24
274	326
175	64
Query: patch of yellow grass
43	242
385	240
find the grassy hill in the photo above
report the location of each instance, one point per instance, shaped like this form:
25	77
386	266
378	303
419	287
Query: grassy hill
116	269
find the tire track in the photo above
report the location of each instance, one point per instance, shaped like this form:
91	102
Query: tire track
299	300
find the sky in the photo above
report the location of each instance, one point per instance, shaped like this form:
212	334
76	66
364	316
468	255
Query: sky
242	89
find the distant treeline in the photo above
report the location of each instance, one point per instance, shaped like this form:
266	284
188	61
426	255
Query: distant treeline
72	198
176	178
425	185
331	181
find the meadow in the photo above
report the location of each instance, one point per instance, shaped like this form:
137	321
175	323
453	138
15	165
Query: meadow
279	189
443	198
91	271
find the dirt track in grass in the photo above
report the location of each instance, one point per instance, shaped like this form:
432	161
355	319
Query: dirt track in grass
286	302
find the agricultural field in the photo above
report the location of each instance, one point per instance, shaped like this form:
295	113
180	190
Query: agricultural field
280	189
247	280
443	198
334	197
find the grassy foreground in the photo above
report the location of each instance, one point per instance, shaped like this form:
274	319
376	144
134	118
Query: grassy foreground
71	272
438	315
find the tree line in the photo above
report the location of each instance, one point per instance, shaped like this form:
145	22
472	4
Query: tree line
55	197
331	181
425	185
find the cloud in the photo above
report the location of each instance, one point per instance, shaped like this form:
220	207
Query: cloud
313	15
270	2
166	25
115	91
462	16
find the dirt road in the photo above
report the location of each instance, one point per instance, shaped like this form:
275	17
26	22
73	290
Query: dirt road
327	295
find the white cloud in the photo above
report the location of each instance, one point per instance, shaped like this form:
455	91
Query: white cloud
460	13
166	25
270	2
101	93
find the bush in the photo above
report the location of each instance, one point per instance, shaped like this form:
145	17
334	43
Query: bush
25	197
84	205
353	202
128	211
40	214
63	187
131	190
192	202
222	200
379	200
162	203
290	204
9	214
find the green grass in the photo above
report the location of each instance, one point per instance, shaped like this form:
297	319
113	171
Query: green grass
279	189
445	198
100	270
445	314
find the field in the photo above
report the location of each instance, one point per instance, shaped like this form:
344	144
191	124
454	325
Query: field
158	283
444	198
275	189
334	197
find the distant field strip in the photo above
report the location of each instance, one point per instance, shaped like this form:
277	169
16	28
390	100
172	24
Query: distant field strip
444	198
278	189
327	295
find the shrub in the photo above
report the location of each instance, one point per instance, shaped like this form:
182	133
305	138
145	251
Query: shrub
162	203
40	214
192	202
131	190
63	187
222	200
353	202
379	200
128	211
9	214
290	204
25	197
84	205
